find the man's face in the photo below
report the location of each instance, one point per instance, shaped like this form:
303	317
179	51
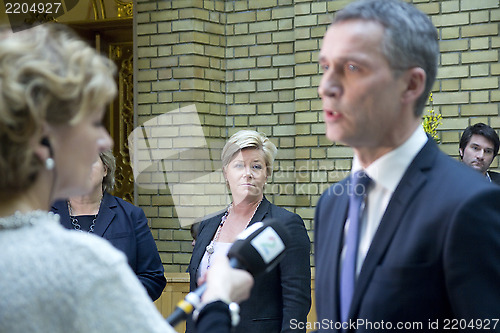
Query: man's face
478	153
360	95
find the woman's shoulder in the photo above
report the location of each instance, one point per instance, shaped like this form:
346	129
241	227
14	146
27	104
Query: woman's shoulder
112	200
213	217
277	211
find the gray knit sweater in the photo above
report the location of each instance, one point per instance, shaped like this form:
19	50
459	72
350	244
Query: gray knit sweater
56	280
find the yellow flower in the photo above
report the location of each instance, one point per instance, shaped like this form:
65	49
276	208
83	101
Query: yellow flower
431	122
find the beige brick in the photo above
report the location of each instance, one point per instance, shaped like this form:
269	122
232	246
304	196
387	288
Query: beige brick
263	50
495	96
450	6
260	27
285	24
450	85
285	48
479	43
480	83
479	56
475	5
306	141
282	12
318	7
235	87
449	59
479	97
450	98
306	93
450	33
241	40
449	111
452	72
264	62
480	30
284	36
483	109
450	19
454	124
306	45
241	17
306	117
495	42
482	16
495	15
429	8
479	70
453	45
264	15
264	97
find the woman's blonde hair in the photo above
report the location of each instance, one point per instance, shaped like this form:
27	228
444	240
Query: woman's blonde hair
47	76
249	139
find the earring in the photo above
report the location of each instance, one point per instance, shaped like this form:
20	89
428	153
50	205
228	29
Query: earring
49	163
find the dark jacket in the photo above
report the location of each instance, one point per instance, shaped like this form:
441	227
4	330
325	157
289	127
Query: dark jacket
432	260
126	227
279	296
495	177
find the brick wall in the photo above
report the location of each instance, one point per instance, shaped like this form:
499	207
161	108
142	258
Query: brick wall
253	64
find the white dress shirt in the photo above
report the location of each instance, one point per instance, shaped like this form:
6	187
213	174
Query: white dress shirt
386	173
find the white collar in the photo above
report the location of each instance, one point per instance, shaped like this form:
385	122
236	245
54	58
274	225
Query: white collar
388	169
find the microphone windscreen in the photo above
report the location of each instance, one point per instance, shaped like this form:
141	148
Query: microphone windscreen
260	247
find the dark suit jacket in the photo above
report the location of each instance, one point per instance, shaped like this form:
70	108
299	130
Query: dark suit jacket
126	227
435	255
278	296
495	177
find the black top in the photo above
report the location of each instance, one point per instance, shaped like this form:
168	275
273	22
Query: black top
85	221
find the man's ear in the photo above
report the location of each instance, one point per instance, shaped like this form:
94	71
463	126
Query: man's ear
461	152
415	84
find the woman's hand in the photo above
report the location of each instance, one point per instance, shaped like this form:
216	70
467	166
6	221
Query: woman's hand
225	283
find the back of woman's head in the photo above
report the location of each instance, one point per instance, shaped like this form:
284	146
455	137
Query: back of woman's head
47	76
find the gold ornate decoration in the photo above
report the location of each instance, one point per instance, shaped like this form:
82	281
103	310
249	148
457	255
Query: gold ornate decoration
122	119
98	6
125	8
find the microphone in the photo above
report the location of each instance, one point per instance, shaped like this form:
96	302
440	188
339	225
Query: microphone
257	249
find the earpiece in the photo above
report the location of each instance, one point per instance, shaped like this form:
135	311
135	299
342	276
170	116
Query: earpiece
45	141
49	162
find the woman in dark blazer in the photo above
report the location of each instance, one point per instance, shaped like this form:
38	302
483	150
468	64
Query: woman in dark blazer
124	225
282	296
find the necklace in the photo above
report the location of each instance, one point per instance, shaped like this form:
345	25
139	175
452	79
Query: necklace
76	223
19	220
210	247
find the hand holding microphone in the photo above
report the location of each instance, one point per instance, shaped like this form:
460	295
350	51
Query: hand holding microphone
226	283
258	249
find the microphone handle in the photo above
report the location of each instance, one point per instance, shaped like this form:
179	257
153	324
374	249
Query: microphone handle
186	306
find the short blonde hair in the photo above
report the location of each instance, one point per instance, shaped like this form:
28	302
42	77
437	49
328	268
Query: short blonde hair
249	139
47	75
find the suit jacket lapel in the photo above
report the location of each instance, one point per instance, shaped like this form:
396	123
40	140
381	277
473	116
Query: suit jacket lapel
339	213
106	214
204	238
61	208
413	179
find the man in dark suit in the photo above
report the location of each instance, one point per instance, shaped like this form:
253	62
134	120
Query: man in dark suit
420	252
478	147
